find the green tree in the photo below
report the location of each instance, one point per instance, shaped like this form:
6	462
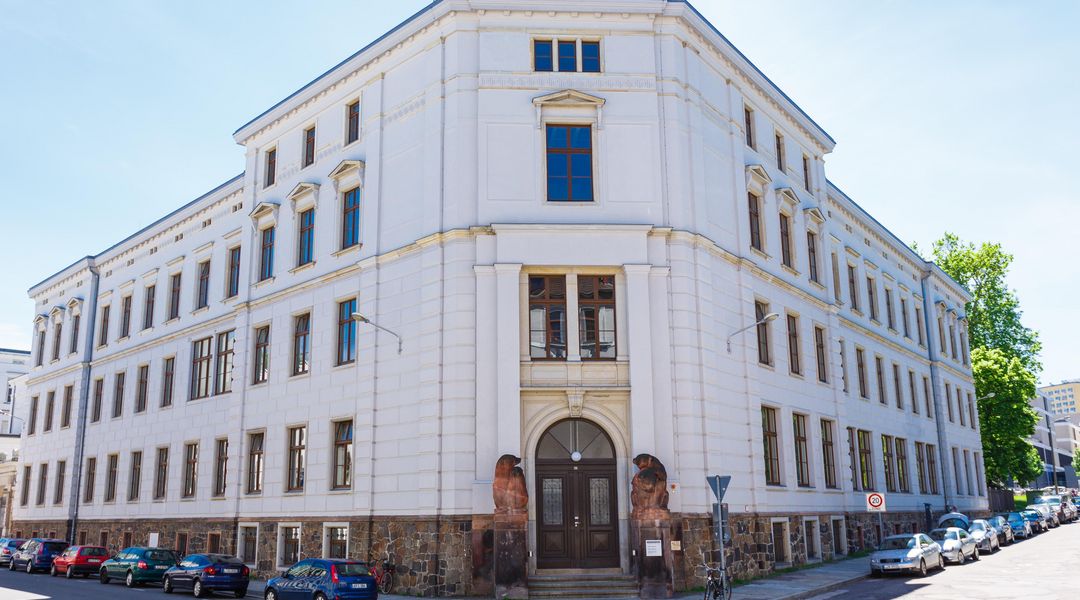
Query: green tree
1006	420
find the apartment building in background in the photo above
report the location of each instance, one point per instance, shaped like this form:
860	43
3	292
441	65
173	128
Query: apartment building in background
1062	396
13	365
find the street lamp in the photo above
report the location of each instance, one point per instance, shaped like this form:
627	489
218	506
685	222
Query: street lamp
359	318
765	319
986	397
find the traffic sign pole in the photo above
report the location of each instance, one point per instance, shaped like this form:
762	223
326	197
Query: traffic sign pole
719	485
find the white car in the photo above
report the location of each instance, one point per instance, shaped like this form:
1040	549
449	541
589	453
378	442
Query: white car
957	545
908	552
986	536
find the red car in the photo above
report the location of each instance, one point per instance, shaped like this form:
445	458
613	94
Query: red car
79	560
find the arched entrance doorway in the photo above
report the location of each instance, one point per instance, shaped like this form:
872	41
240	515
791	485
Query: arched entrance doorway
576	510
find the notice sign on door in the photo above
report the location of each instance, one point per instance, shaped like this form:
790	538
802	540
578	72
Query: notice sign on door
654	548
875	502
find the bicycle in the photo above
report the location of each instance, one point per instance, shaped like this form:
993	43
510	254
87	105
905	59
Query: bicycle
717	584
384	577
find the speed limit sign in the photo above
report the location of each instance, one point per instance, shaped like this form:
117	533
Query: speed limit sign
875	502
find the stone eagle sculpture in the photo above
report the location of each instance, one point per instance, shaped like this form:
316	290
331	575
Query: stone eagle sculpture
649	495
508	490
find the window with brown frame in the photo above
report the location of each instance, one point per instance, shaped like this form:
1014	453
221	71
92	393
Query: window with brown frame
346	334
948	402
174	296
904	317
819	351
785	241
43	480
914	391
871	298
853	287
806	172
596	316
65	407
931	468
266	256
812	256
926	397
309	146
271	167
306	244
828	453
971	411
780	163
221	466
125	316
223	361
168	375
919	326
232	288
301	350
866	461
202	296
58	330
91	473
843	366
75	322
890	313
118	394
920	468
297	451
61	474
762	329
771	447
112	465
547	316
897	387
141	388
149	296
748	125
853	458
887	461
255	462
24	494
191	470
262	355
860	367
343	444
95	404
103	331
337	542
754	202
50	408
352	122
350	218
135	477
902	466
569	163
39	356
802	452
201	357
794	363
879	371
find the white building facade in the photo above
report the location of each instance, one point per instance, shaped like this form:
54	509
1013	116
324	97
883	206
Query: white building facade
564	216
14	364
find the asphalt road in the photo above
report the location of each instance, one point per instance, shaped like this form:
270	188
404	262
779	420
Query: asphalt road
1040	568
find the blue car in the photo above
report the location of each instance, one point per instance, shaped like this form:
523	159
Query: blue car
8	547
1020	526
206	573
36	554
323	579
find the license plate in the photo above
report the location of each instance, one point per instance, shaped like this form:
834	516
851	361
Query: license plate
160	567
359	586
94	560
230	571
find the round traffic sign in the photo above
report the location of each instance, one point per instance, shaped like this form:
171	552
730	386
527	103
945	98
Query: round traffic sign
875	500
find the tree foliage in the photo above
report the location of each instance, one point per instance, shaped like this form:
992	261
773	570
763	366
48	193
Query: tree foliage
1006	420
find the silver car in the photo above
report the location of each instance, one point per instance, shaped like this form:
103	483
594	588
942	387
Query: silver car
1048	513
1006	535
957	545
913	552
986	536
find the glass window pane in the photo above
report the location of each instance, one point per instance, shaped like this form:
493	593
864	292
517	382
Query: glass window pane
557	188
580	164
556	165
556	136
590	57
542	55
552	499
581	137
581	188
567	56
599	501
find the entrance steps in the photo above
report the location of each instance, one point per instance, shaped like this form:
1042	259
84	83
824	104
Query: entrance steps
567	584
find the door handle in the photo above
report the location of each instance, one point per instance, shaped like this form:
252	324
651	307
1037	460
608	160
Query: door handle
577	521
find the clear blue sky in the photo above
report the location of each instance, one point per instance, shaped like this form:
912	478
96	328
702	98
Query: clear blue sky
957	116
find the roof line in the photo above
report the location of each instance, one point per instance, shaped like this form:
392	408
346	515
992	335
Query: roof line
144	229
14	351
335	67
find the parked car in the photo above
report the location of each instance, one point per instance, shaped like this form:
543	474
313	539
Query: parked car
954	519
1048	513
1021	526
908	552
138	565
1061	505
1036	519
207	573
986	537
956	544
323	578
79	560
8	546
1006	535
36	554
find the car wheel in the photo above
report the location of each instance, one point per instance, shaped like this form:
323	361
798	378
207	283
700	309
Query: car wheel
11	565
961	558
52	571
197	589
271	594
320	596
240	593
103	576
166	586
129	579
922	568
975	554
875	573
30	567
69	574
940	562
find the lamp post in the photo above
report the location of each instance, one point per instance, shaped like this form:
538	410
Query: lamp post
359	318
767	318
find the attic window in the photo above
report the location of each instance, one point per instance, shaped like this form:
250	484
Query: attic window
566	55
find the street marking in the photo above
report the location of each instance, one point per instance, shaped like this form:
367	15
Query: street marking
10	594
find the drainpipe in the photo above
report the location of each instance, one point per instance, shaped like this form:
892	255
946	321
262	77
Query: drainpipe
90	311
944	455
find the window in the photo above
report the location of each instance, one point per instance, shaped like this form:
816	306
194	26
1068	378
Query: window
762	328
547	316
819	351
567	56
75	322
352	122
871	298
931	468
853	287
262	355
174	296
32	421
61	472
135	478
887	460
772	450
290	545
971	410
754	202
904	318
306	251
941	333
960	406
148	306
835	277
141	388
890	314
213	543
191	469
103	332
785	241
569	163
161	473
902	465
926	397
780	541
919	325
860	367
249	539
125	317
828	453
590	57
806	172
920	467
914	391
337	542
793	345
43	480
167	378
542	56
309	146
271	167
221	466
802	459
24	496
111	466
780	152
181	543
350	218
964	353
748	125
301	351
346	334
223	365
343	439
596	316
852	458
232	288
866	461
95	405
200	368
297	449
879	369
91	472
956	471
978	475
897	387
40	354
202	295
57	334
811	256
65	408
50	408
255	462
948	402
952	341
266	256
118	394
843	366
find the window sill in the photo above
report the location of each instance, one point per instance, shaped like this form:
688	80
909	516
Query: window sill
297	375
349	250
201	309
263	282
172	320
766	366
760	253
856	312
303	267
299	492
796	375
218	498
818	285
791	270
253	494
123	338
340	491
258	384
231	299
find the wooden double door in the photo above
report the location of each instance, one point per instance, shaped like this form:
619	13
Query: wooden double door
577	507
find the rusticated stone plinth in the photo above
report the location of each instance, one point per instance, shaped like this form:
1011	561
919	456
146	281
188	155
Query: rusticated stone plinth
511	555
655	573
